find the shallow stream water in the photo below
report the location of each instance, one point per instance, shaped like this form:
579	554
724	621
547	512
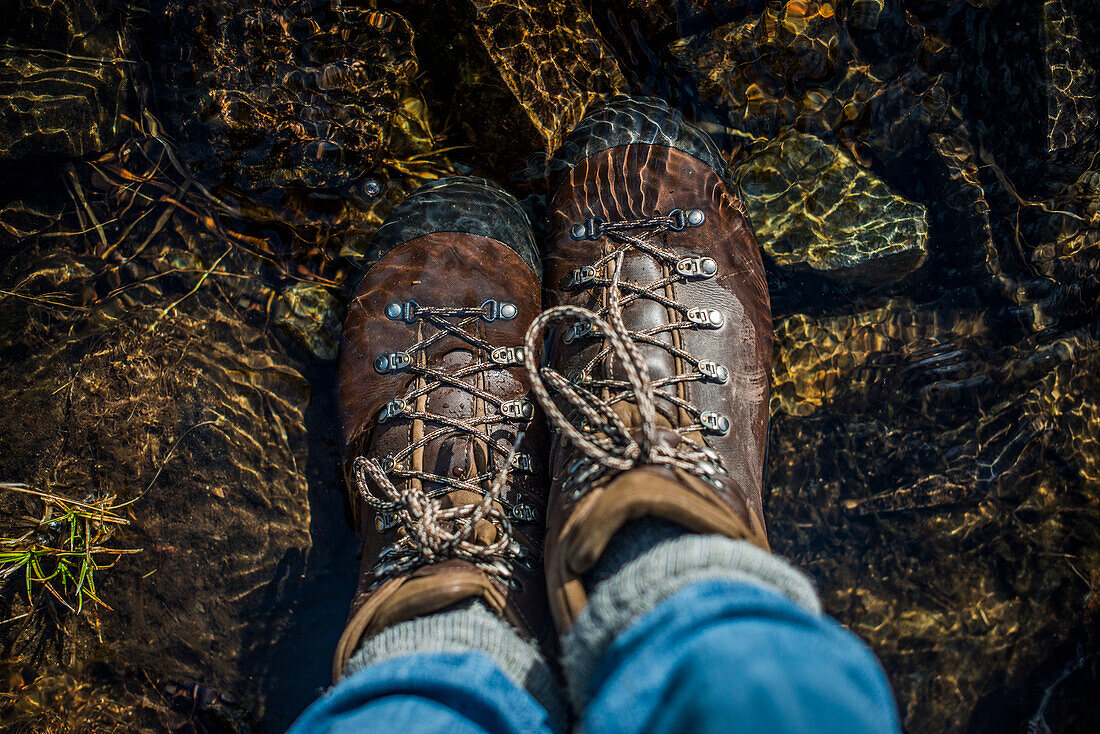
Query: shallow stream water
186	192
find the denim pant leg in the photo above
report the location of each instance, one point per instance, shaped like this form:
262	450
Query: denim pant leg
732	657
429	693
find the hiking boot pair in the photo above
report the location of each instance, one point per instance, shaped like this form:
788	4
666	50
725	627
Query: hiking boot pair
505	414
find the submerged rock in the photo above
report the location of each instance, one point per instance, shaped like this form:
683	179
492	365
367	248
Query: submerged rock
797	65
510	77
1071	89
907	502
139	375
310	315
64	78
51	107
280	94
656	20
812	206
821	361
864	14
552	58
776	68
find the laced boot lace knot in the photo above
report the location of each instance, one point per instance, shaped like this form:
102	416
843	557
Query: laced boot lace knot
605	443
431	532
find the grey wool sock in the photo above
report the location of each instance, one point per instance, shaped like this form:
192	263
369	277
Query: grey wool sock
470	627
647	562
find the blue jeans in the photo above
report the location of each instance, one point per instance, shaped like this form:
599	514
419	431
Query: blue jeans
718	656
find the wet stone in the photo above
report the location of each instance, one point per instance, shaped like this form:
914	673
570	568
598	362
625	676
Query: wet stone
670	19
999	72
552	58
287	93
64	80
864	14
819	361
1061	275
772	69
510	78
68	109
311	316
1071	89
797	65
965	453
139	375
811	206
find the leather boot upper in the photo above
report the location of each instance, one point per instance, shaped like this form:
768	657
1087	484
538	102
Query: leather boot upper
432	397
661	227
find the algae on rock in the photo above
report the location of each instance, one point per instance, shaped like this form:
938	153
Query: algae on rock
812	206
551	56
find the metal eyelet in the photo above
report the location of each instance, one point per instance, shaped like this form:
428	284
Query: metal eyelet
518	409
697	267
715	423
392	409
586	474
707	318
383	521
402	311
387	463
524	512
686	218
578	277
591	229
528	558
708	470
524	463
491	310
578	330
714	372
391	362
507	355
577	377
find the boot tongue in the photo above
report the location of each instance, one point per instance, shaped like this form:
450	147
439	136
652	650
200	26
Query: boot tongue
460	458
642	315
451	457
666	433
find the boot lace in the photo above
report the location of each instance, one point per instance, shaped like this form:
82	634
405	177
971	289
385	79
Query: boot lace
431	533
606	445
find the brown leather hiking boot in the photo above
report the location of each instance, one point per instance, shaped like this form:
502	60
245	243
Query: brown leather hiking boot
433	396
660	355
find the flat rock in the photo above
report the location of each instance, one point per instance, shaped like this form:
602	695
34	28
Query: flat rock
552	58
64	79
813	207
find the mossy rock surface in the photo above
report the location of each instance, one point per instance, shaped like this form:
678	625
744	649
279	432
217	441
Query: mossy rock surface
812	206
